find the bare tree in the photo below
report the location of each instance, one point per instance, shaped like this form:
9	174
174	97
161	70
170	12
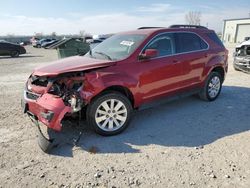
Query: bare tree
82	33
53	34
10	35
39	34
193	18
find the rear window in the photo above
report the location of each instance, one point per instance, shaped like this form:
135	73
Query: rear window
188	42
215	38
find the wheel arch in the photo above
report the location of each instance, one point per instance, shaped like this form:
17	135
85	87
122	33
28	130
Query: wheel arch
215	64
117	88
219	70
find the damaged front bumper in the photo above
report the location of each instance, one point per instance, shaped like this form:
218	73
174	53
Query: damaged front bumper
242	63
48	109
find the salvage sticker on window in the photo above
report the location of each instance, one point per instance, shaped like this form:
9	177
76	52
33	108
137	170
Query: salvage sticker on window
127	43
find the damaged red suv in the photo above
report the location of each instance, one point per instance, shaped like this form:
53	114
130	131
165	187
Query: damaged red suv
125	72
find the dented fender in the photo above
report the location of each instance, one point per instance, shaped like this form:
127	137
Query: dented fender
97	82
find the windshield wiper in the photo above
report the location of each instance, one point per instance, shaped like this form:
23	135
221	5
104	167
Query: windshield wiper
101	53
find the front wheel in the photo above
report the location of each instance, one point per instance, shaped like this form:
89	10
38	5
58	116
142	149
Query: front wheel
212	87
109	114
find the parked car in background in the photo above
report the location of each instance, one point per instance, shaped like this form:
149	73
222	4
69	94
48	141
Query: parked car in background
11	49
33	40
47	44
38	44
242	57
24	43
125	72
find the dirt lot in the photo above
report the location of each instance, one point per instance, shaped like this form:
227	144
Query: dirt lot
185	143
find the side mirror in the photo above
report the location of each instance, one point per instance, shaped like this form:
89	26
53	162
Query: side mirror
149	53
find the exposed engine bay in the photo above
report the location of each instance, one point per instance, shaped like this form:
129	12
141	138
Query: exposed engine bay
67	86
243	50
48	99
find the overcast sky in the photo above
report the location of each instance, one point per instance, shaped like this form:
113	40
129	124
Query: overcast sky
100	17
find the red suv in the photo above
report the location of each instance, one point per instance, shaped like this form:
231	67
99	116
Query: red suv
125	72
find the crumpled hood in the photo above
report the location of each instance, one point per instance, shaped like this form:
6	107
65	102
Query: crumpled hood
71	64
243	43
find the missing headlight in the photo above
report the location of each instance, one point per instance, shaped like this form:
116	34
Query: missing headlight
56	89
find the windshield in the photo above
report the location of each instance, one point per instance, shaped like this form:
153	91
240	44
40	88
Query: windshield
117	47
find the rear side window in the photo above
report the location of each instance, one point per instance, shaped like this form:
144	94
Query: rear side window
189	42
215	38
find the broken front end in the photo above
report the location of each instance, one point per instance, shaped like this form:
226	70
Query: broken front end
49	99
242	58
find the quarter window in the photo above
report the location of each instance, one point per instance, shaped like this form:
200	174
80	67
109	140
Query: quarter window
216	39
187	42
164	44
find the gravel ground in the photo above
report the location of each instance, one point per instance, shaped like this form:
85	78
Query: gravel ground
185	143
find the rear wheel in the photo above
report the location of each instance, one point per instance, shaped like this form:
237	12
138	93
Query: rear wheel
14	54
212	87
109	114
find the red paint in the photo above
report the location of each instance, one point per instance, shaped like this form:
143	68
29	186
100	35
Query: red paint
147	80
49	103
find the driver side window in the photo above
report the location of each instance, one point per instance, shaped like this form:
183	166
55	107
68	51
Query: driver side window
164	44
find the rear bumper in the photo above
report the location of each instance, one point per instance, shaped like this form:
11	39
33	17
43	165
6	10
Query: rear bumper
242	63
48	109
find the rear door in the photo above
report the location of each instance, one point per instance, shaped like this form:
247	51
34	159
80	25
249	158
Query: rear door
192	54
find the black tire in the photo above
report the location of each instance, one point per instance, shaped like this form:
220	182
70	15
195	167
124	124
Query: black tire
96	104
14	53
38	46
48	138
204	93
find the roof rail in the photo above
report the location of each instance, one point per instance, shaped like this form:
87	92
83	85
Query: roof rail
149	28
188	26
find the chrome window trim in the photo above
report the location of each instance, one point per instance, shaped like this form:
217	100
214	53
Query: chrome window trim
208	47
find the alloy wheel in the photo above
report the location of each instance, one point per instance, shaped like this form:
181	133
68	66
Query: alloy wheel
111	115
214	87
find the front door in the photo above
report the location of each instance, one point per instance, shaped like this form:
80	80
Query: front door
162	74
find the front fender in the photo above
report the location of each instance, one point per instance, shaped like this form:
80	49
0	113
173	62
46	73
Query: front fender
97	82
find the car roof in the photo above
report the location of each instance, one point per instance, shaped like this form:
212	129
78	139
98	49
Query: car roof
149	31
7	42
